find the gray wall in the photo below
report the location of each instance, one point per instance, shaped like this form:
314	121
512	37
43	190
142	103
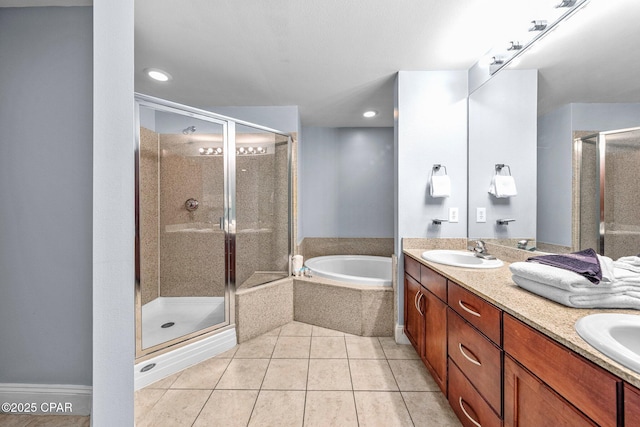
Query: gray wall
346	182
555	151
431	127
503	129
45	195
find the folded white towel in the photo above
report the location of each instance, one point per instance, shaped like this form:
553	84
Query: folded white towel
439	186
503	186
618	298
561	278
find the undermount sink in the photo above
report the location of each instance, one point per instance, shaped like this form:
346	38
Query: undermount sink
465	259
615	335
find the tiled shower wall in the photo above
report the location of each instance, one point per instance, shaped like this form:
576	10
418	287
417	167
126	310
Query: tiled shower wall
182	252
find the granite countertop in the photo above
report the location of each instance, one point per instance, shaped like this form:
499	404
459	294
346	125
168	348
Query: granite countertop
552	319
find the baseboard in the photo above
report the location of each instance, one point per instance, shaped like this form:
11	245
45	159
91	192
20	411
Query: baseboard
45	399
400	337
174	361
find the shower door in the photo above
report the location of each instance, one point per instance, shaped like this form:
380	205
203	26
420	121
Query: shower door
609	192
212	215
182	223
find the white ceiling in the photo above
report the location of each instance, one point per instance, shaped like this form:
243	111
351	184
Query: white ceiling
336	58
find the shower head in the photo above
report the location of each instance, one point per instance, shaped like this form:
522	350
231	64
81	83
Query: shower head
189	130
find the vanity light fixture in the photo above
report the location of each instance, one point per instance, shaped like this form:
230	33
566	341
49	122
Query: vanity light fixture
566	3
370	113
515	46
538	25
537	29
158	74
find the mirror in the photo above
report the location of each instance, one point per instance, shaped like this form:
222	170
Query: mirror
586	83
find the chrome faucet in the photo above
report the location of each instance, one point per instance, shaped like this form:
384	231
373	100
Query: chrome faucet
480	250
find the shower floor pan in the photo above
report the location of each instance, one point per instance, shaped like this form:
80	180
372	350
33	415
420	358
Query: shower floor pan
188	314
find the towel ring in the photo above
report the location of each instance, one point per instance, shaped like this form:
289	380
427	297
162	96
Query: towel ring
437	167
500	166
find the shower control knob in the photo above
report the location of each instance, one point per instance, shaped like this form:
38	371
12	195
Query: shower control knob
191	205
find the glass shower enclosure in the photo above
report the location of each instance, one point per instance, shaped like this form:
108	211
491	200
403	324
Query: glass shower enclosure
608	201
212	215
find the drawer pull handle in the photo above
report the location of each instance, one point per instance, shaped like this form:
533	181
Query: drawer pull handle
473	359
468	310
419	298
460	401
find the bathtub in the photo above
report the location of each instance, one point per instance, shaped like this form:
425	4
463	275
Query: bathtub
353	269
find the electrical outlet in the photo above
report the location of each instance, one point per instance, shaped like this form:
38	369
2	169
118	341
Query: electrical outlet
481	214
453	214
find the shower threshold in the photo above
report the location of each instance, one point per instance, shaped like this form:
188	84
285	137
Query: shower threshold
167	318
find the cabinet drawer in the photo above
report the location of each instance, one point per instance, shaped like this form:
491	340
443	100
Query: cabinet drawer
588	387
476	311
433	281
631	406
530	403
412	267
465	401
477	357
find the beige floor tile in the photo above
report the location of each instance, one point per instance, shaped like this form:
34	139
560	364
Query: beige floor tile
228	408
364	348
229	353
412	375
392	350
430	409
144	400
273	332
165	383
329	374
176	408
372	375
258	348
330	409
286	374
204	375
243	374
381	409
278	409
292	347
318	331
328	348
296	329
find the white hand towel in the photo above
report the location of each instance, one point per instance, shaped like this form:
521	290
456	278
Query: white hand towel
439	186
504	186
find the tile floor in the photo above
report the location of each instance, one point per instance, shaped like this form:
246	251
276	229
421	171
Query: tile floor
300	375
296	375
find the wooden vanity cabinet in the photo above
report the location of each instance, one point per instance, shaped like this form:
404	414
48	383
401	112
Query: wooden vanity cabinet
425	318
631	406
571	383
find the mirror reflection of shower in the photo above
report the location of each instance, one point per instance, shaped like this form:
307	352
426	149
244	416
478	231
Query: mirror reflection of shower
193	226
607	192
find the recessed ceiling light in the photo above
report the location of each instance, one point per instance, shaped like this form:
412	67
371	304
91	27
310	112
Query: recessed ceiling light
370	113
157	74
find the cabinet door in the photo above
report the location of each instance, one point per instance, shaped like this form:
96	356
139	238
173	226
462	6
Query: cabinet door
435	344
529	402
631	406
413	318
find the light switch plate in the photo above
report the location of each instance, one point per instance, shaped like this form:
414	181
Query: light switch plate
481	214
453	215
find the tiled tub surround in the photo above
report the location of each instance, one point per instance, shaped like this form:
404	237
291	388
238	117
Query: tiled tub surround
354	309
552	319
320	246
300	375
